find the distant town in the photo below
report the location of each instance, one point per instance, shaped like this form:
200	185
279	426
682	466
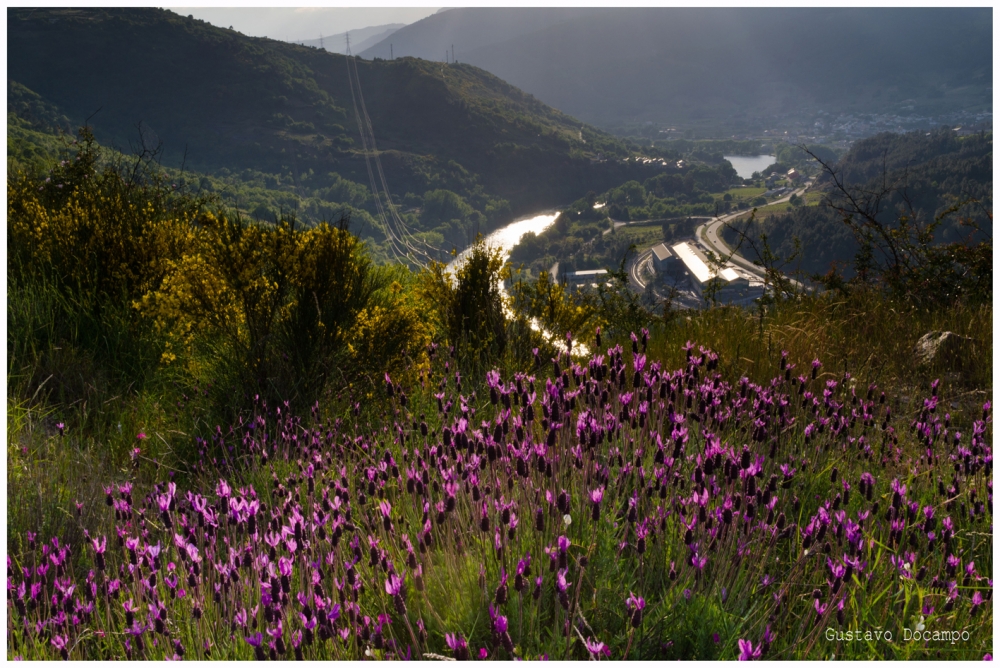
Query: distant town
842	130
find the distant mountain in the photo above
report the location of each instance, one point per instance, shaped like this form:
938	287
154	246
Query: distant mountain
225	103
373	40
674	65
361	39
472	29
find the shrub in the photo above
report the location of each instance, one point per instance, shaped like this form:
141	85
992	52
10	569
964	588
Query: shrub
276	310
470	308
97	224
126	273
555	308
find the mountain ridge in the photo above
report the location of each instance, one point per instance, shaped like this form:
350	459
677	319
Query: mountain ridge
261	98
675	65
364	38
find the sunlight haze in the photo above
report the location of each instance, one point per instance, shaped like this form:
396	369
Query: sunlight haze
302	23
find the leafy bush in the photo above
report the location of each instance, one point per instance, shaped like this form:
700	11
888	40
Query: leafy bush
277	310
256	308
101	225
469	307
556	308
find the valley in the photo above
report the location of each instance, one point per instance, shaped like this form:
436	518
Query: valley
642	334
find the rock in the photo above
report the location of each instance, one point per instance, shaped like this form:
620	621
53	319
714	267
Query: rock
943	347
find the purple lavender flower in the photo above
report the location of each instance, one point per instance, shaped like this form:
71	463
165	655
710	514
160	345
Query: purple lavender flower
766	640
562	588
458	645
597	649
386	511
60	643
820	609
395	587
501	592
977	600
747	651
636	604
256	640
100	545
596	496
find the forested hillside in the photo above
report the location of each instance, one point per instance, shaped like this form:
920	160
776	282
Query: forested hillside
924	176
266	117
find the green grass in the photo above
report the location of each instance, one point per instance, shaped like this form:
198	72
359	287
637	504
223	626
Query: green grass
643	236
813	197
746	194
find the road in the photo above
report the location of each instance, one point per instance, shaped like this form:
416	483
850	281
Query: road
635	270
708	235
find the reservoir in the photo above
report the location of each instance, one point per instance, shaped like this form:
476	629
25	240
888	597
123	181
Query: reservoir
746	165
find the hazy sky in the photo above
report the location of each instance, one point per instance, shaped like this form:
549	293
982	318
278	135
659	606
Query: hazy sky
301	23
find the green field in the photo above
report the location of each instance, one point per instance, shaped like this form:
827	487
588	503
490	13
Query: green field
769	210
738	194
643	236
813	197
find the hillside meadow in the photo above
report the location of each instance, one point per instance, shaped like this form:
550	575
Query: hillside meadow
237	440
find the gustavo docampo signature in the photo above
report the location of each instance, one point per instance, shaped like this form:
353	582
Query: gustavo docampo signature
920	634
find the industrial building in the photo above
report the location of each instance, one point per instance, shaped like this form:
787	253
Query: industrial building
586	277
729	285
662	258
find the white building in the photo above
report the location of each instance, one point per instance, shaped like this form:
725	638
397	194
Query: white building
730	286
587	277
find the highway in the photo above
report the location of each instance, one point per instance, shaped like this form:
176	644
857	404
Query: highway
708	235
635	269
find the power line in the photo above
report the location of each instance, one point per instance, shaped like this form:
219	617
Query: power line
402	242
404	233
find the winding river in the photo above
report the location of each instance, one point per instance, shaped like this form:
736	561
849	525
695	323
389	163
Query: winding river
509	235
505	239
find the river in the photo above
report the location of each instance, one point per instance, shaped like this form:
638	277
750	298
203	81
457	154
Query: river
746	165
505	239
509	235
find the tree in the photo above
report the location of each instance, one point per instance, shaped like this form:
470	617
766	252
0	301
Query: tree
898	251
470	306
442	205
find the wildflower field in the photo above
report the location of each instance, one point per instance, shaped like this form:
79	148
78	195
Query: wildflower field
721	486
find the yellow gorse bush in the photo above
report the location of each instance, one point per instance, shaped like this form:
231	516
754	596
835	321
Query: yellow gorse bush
254	307
291	308
556	307
95	240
